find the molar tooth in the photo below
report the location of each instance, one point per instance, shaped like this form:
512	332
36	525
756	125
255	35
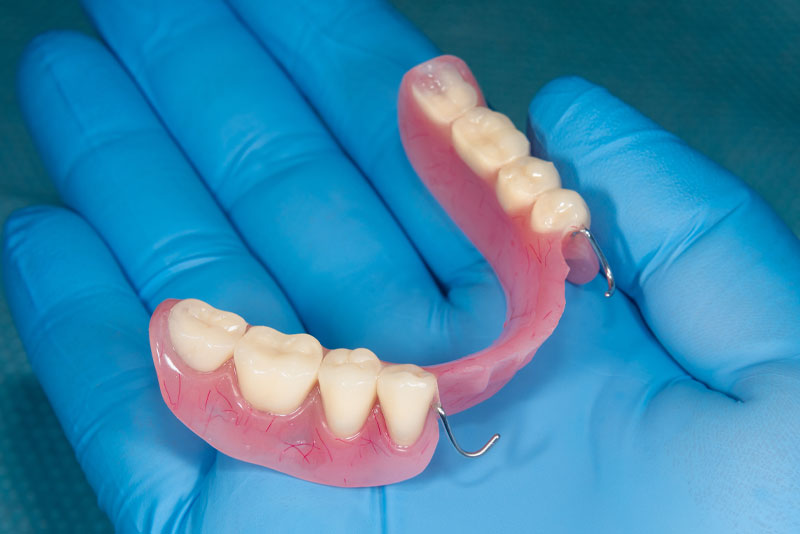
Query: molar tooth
522	180
276	371
486	140
405	393
347	382
559	210
202	335
442	93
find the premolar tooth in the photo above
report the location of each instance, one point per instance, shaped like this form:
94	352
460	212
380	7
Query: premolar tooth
202	335
348	383
405	393
559	210
442	93
522	180
276	371
486	140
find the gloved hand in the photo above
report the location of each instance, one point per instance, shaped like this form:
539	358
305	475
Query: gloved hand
263	172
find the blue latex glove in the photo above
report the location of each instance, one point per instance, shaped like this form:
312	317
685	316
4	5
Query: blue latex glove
262	171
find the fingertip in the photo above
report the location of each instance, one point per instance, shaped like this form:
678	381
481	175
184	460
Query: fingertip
55	57
45	43
558	94
37	238
649	191
76	101
41	48
48	255
44	51
52	71
571	117
26	258
550	104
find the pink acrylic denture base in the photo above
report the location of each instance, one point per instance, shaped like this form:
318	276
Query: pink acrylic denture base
530	267
299	444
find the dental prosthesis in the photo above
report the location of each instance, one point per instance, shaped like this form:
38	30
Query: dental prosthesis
342	417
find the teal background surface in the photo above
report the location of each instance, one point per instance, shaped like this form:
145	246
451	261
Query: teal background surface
724	75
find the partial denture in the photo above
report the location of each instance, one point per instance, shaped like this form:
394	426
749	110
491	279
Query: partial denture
278	402
342	417
480	145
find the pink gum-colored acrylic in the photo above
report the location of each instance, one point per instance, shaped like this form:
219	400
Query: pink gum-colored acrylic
299	444
531	267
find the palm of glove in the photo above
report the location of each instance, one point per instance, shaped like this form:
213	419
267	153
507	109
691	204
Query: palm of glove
671	407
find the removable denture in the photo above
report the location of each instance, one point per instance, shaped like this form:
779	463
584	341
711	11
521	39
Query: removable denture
480	179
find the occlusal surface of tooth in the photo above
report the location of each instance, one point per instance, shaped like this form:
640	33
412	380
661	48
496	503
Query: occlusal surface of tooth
486	140
348	384
522	180
276	371
203	336
559	210
405	393
442	93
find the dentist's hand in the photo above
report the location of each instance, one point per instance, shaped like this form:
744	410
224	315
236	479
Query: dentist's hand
259	168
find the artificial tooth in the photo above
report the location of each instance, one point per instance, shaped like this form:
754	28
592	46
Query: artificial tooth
522	180
203	336
442	93
559	210
405	393
486	140
348	383
276	371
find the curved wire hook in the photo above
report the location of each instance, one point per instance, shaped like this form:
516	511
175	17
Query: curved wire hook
606	268
479	452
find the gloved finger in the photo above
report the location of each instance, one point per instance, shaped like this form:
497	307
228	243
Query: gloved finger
85	332
113	162
240	498
712	268
348	59
302	206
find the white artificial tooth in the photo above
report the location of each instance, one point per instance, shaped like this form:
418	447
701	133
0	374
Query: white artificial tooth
405	393
559	210
486	140
442	93
348	383
276	371
522	180
202	335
